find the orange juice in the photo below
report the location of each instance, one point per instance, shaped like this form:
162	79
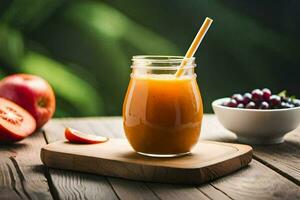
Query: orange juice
162	114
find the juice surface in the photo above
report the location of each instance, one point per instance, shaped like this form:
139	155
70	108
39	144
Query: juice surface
162	114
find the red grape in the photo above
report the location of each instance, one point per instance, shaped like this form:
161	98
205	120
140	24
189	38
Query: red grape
266	94
247	98
275	100
238	98
232	103
257	95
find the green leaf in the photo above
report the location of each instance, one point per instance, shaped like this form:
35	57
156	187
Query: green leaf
67	85
283	94
29	14
11	45
101	19
2	74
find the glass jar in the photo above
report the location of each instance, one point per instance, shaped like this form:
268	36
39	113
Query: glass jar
162	113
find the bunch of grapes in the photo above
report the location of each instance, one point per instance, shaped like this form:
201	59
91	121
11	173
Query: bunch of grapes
262	99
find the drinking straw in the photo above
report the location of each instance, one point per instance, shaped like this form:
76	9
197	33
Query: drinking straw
194	46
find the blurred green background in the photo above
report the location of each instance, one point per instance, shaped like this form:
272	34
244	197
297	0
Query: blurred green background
83	47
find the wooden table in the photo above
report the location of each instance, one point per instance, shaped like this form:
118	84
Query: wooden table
274	172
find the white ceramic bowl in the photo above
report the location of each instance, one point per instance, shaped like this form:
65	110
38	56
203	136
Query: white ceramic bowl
255	126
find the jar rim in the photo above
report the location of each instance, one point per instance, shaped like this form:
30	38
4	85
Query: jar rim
161	62
161	58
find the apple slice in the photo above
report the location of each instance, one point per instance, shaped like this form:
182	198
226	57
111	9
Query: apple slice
15	122
75	136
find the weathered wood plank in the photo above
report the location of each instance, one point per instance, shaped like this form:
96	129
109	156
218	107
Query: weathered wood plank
22	173
257	182
75	185
213	193
213	130
174	192
10	183
7	193
283	158
54	130
132	189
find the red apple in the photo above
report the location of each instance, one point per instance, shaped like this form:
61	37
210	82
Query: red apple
31	92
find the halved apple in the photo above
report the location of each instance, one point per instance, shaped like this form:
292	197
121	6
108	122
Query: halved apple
15	122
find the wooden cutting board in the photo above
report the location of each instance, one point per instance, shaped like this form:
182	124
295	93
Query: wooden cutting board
208	161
